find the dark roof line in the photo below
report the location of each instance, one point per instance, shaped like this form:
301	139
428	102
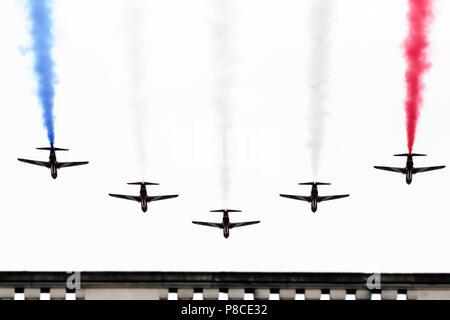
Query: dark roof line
247	278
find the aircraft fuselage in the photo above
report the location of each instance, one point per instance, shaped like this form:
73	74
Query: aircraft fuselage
314	196
143	195
409	169
52	163
226	225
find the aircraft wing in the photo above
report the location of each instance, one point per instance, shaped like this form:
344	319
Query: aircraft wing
121	196
209	224
302	198
424	169
35	162
70	164
155	198
241	224
326	198
393	169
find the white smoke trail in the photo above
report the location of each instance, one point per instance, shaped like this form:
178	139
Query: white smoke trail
221	27
137	91
318	71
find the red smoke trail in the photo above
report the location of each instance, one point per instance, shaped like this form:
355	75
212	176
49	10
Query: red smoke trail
416	44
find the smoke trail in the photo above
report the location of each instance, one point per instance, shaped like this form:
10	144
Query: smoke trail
318	70
223	83
137	93
416	44
40	13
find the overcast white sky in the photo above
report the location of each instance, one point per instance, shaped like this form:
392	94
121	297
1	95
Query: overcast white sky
71	223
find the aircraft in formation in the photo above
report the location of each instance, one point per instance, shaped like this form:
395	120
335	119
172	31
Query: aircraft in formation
314	197
409	170
53	164
226	225
143	198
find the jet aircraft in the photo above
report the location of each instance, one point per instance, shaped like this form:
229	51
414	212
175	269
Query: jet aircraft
314	197
409	170
53	164
143	198
226	225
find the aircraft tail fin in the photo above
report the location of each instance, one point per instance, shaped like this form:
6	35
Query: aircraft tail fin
225	210
144	183
52	148
314	183
410	154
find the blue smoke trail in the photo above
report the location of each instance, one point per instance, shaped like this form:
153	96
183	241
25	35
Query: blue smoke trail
42	42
